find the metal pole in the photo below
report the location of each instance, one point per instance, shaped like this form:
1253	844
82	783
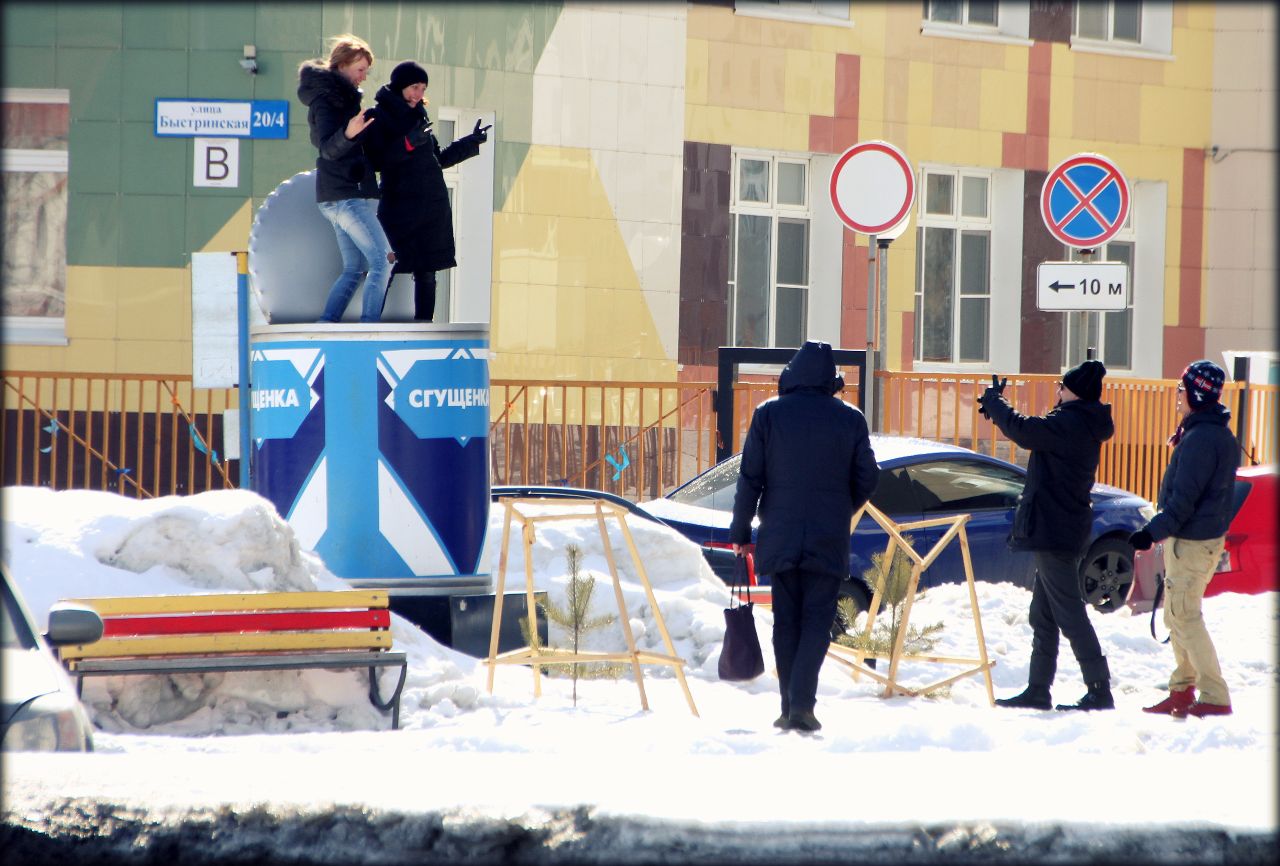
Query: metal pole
867	386
242	311
1082	335
882	313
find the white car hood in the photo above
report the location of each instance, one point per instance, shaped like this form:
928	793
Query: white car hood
669	510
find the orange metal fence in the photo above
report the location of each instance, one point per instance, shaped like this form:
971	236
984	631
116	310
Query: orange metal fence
156	435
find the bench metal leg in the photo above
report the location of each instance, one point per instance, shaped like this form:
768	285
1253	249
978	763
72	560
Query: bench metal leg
392	703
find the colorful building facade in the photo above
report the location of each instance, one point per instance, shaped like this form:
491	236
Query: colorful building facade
660	172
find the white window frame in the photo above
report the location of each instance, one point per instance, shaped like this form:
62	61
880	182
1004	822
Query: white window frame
1013	24
1155	25
36	330
834	13
775	211
960	223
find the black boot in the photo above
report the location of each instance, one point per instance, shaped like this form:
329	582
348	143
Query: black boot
1098	698
1032	698
803	720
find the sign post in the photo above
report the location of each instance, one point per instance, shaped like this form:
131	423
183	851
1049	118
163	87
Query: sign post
872	189
1084	202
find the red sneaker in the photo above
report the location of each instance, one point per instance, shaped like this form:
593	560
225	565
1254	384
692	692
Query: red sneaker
1175	704
1200	710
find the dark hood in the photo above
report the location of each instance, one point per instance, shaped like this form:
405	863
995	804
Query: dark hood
317	81
812	368
392	106
1096	417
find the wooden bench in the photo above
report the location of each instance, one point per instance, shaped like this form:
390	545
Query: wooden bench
246	631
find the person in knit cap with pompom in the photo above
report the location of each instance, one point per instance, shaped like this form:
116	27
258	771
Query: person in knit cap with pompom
415	209
1195	510
1053	519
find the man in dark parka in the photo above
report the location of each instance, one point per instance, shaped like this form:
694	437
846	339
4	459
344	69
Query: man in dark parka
807	465
415	209
1052	520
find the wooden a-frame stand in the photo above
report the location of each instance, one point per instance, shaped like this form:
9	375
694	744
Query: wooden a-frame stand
537	656
919	563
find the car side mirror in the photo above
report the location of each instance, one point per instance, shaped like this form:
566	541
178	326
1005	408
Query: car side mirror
72	624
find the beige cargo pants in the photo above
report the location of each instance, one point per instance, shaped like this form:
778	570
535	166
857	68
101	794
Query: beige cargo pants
1189	566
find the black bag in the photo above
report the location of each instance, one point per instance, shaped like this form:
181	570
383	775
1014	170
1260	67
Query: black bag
740	657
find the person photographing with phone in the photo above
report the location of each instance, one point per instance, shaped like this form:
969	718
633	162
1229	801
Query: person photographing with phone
1052	520
415	210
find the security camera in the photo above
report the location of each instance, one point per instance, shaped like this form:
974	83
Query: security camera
249	63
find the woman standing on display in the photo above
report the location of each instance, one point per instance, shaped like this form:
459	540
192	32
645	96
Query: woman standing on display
415	208
346	189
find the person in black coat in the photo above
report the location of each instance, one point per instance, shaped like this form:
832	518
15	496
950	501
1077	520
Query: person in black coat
1195	511
807	466
346	189
1052	519
415	210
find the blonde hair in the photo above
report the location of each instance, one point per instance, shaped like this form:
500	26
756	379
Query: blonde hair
345	49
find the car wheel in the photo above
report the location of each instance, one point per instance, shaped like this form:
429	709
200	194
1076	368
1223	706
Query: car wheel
1106	573
855	592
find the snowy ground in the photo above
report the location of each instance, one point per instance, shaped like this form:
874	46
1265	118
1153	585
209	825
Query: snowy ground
262	752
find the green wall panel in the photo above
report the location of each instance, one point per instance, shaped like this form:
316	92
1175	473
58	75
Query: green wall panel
93	75
227	26
153	231
27	24
89	25
277	161
27	67
287	27
217	75
156	25
93	229
149	73
277	78
150	164
93	157
207	214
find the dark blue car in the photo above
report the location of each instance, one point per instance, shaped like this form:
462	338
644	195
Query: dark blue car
921	479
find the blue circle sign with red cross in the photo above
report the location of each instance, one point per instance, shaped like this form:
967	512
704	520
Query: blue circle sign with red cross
1085	200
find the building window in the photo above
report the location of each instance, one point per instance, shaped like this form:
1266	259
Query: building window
1123	26
769	241
979	13
1111	333
953	273
36	124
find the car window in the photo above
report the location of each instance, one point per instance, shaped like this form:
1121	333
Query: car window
714	488
14	632
964	485
895	494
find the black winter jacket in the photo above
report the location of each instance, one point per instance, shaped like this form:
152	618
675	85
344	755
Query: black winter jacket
342	170
414	210
807	465
1196	491
1055	510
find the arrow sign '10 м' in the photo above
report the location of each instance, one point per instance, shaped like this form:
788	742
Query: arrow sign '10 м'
1088	286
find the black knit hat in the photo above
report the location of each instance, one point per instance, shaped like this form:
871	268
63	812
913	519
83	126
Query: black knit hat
405	74
1203	383
1085	381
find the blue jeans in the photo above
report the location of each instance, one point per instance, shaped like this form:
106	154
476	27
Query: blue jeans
364	248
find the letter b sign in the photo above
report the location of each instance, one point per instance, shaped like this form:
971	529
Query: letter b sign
217	162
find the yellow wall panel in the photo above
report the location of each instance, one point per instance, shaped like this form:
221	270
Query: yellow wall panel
720	73
155	304
571	319
91	303
873	91
756	78
1062	102
1194	69
154	356
1003	103
747	30
1084	112
1174	116
709	22
822	84
234	234
508	331
540	330
785	34
798	90
695	71
920	93
1116	116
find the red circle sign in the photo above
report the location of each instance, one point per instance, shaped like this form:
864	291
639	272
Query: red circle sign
1084	200
872	187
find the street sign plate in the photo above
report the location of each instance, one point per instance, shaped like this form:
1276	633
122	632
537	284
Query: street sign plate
873	187
1088	286
1084	200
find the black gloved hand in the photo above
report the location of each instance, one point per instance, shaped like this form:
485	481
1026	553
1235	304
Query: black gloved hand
420	136
994	392
481	135
1141	540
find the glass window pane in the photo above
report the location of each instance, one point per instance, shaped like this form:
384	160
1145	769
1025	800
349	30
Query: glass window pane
964	485
753	180
35	125
973	195
1120	251
1091	19
751	311
975	263
791	183
982	12
1115	347
1127	21
937	284
792	315
973	329
35	243
939	194
793	252
444	132
944	10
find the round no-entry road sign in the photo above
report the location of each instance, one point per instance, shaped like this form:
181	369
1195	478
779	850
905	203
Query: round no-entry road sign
872	187
1084	200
